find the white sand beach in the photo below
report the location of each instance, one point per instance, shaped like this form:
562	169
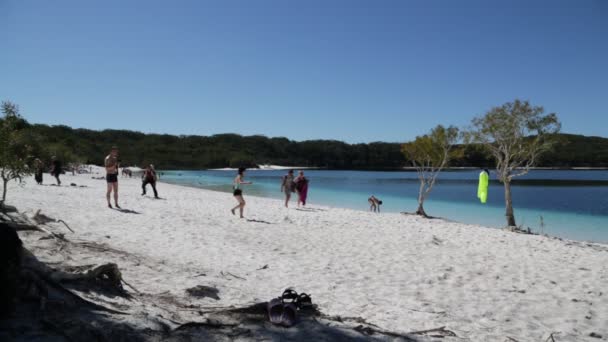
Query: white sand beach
401	273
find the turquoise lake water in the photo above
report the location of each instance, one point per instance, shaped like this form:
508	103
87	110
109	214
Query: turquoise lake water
572	204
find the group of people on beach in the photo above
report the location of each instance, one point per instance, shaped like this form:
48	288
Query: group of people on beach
112	165
39	168
298	185
289	185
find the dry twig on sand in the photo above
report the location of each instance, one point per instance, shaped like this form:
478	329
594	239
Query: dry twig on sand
43	219
232	275
28	227
441	330
550	338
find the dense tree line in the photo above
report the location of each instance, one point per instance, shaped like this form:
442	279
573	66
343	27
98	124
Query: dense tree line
233	150
217	151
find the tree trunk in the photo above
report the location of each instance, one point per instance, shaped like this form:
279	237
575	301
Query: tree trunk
509	205
5	181
420	211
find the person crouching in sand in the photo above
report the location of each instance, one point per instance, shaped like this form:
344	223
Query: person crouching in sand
111	164
149	177
238	192
374	204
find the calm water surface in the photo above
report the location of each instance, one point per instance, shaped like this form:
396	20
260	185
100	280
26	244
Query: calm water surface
572	204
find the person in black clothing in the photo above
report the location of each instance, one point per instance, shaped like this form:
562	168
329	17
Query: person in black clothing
149	177
38	170
56	169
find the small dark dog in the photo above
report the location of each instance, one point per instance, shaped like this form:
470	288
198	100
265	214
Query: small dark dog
127	173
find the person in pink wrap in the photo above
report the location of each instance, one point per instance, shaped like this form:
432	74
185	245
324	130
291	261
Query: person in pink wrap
301	188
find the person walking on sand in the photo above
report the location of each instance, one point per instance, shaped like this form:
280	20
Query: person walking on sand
56	171
302	188
288	186
238	192
374	204
38	170
111	164
149	177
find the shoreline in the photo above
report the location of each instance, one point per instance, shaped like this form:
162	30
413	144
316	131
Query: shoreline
558	230
263	167
404	168
406	273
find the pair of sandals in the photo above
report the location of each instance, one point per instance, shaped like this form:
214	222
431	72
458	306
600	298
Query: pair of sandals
283	310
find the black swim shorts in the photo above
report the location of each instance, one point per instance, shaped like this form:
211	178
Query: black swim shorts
112	177
237	192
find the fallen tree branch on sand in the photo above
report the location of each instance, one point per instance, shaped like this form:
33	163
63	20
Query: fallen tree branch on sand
29	227
550	338
105	248
441	330
43	219
43	279
208	323
225	274
364	327
106	273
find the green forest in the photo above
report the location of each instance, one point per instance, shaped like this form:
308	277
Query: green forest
233	150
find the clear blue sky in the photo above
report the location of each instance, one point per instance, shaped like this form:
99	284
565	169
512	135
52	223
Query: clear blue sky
352	70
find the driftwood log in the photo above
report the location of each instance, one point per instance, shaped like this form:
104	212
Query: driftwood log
107	273
10	267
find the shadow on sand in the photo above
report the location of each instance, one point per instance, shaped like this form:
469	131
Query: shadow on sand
258	221
310	209
68	317
84	310
127	211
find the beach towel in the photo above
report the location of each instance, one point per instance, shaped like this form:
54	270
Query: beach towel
302	187
482	189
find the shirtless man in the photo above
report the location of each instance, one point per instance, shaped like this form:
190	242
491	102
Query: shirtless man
111	164
288	186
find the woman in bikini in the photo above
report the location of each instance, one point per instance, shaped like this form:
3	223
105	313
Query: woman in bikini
238	193
374	204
